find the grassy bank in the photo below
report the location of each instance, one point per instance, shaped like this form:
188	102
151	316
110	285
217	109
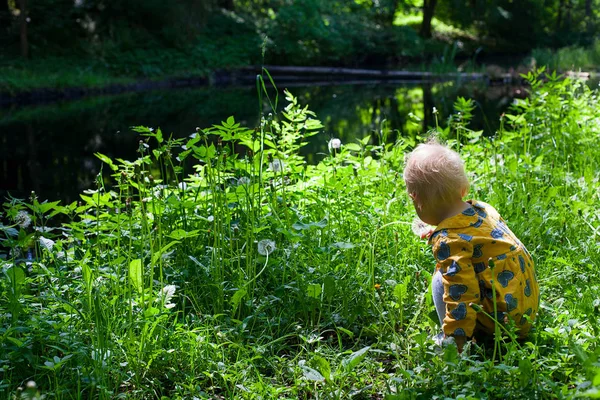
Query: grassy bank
262	277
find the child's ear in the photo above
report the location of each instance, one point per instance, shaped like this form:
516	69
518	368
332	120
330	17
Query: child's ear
464	192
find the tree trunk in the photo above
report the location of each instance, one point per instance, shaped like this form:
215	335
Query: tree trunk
588	15
561	5
23	23
4	17
391	17
428	10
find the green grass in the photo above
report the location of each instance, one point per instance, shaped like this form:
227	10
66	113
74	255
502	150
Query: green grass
572	58
293	280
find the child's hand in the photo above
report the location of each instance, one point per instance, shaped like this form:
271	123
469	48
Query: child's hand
421	229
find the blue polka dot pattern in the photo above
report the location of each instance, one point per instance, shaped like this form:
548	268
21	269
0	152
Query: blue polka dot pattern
467	238
460	312
522	263
469	212
501	257
443	251
511	302
455	291
435	234
477	252
478	223
459	332
504	277
497	233
453	269
527	290
479	267
481	212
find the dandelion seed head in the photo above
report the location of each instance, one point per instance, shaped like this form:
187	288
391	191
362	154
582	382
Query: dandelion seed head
276	165
420	228
266	247
23	219
335	143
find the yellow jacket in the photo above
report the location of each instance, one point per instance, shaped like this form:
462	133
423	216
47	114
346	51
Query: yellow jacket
462	246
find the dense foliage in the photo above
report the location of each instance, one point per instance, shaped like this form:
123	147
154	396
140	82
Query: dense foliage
259	276
154	38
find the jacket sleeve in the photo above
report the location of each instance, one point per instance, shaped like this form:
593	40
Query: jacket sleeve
461	286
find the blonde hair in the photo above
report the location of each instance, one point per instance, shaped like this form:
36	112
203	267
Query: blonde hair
435	174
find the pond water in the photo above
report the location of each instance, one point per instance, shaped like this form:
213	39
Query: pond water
50	149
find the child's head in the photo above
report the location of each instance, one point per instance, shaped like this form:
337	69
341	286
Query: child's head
436	181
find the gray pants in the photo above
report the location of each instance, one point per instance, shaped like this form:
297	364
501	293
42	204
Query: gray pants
437	292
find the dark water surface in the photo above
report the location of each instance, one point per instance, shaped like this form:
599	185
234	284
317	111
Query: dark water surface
50	149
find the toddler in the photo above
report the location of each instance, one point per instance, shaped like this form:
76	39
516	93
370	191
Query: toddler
467	236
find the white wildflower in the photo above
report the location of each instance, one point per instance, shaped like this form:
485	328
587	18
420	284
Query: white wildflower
421	229
48	244
266	247
276	165
165	296
31	385
435	110
183	186
23	219
334	144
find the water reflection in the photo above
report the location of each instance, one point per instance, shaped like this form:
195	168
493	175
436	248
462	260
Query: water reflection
50	149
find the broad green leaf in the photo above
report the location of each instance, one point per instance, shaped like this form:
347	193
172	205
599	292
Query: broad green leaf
314	290
328	286
355	358
179	234
88	276
237	298
311	374
16	276
323	367
346	331
135	275
352	147
107	160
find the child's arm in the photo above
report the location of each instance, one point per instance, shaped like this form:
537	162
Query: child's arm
461	286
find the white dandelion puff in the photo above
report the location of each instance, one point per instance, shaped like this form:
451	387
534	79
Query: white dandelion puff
165	296
23	219
334	144
266	247
276	165
421	229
